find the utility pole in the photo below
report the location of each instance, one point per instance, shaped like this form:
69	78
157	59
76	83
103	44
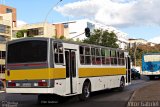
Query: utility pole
136	45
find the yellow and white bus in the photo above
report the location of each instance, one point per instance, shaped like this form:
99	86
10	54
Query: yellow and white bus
47	66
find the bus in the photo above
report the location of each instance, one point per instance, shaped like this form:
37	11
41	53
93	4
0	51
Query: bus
151	65
48	67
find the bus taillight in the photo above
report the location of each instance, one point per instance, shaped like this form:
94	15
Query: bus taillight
42	83
11	84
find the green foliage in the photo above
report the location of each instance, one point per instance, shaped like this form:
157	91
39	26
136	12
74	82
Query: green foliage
140	50
20	33
62	37
103	38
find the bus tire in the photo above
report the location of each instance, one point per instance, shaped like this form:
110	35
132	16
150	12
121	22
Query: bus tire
86	91
122	84
152	77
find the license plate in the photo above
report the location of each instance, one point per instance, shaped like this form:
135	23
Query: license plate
26	84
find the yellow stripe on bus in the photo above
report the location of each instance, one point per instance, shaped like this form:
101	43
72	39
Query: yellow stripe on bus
59	73
90	72
35	74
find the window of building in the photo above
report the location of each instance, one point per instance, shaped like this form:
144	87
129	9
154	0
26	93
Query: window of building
2	54
2	68
8	10
5	29
65	25
2	28
58	53
2	38
35	32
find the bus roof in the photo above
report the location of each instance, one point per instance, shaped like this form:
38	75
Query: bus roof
156	53
59	40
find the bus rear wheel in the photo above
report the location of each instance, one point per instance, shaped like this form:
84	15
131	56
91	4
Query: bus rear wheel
86	91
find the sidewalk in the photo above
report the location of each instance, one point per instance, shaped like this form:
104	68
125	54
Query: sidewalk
148	96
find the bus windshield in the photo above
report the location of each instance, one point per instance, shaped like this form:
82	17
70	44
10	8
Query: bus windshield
151	58
27	51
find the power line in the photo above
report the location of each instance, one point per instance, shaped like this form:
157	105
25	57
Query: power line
51	10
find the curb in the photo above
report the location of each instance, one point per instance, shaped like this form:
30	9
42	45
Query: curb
132	97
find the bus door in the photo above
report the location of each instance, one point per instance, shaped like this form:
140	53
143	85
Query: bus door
128	70
71	68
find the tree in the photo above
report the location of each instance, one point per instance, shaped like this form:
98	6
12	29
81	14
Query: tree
142	49
20	33
103	38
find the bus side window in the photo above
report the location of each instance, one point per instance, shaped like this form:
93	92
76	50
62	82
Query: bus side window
115	59
55	48
93	55
118	57
98	56
81	51
58	53
87	55
121	55
103	56
113	55
107	56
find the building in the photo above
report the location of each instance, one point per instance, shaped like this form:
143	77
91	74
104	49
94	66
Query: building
35	30
2	59
7	22
136	42
75	29
61	30
7	9
5	26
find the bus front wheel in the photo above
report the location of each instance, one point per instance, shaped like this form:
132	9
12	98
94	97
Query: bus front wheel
86	91
122	84
152	77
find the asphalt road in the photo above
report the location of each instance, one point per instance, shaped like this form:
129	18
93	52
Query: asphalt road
106	98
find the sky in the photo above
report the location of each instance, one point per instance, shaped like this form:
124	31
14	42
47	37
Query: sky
137	18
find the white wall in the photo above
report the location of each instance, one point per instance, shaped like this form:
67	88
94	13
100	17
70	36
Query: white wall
77	27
